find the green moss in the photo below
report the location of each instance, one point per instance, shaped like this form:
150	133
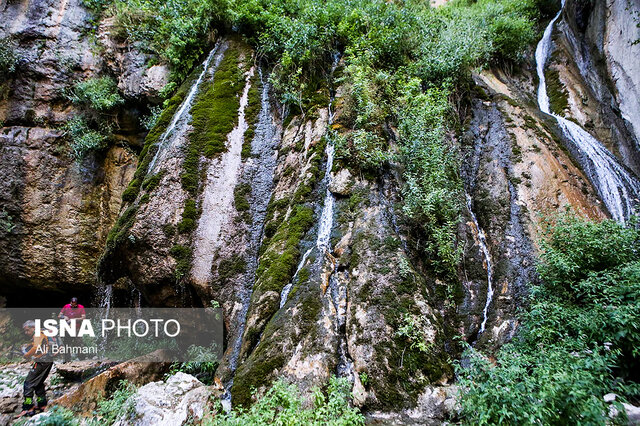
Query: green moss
153	137
152	182
240	194
276	269
261	374
119	231
132	191
189	216
214	115
558	96
168	229
145	199
252	113
229	268
215	111
182	254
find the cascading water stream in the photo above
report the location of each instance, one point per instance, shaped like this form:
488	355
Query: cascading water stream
259	169
262	165
484	248
615	185
216	55
326	217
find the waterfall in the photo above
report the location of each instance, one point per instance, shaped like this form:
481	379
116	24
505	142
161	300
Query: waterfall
614	184
260	170
179	117
484	248
217	202
326	217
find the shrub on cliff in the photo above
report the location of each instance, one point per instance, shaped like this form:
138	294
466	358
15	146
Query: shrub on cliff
579	337
100	94
83	139
283	405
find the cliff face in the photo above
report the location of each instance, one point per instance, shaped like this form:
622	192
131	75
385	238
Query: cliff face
60	210
234	201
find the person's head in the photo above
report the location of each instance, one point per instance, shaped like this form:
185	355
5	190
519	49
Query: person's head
29	327
74	302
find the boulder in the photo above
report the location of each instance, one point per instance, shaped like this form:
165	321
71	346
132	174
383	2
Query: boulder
80	370
181	399
138	371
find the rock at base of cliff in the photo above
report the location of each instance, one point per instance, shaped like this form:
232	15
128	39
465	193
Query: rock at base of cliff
181	399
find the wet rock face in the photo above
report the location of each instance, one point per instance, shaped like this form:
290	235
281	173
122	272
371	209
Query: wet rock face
516	170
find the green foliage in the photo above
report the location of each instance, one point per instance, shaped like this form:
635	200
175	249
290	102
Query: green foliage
412	329
579	338
84	139
176	31
433	186
149	121
96	6
8	58
6	222
283	405
119	406
100	94
365	149
574	249
201	365
56	416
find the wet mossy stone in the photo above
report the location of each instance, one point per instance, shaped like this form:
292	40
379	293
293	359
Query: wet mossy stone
190	215
252	114
558	96
229	268
182	255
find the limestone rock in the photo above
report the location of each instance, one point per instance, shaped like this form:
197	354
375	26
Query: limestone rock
341	182
138	371
79	370
180	399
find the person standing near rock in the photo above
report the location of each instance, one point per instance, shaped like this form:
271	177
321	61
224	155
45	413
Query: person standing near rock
34	383
71	312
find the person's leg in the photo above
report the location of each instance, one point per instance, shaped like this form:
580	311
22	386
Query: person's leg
40	390
29	390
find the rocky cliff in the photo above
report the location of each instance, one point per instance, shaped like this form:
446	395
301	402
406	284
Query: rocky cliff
57	211
237	201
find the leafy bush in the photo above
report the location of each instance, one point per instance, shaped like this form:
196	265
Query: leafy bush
176	31
579	338
101	94
118	406
433	187
282	404
83	138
